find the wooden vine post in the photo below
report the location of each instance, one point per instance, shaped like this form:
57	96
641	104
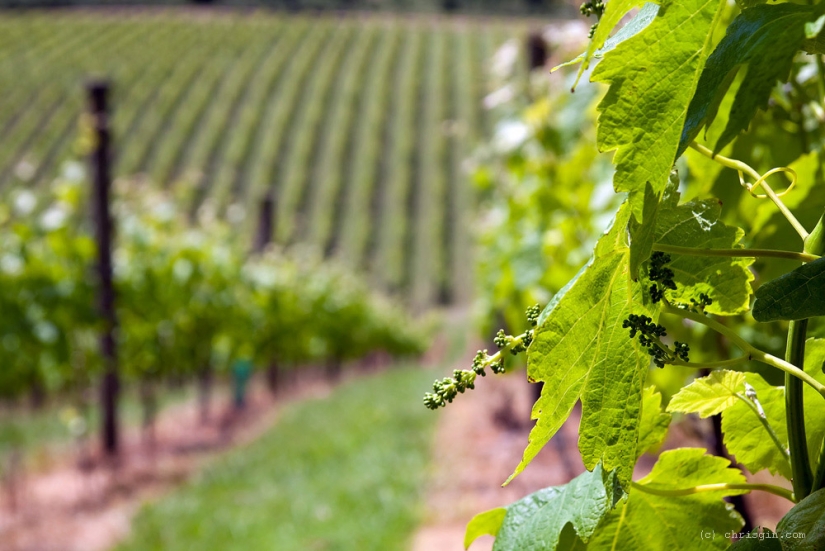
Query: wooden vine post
98	92
266	225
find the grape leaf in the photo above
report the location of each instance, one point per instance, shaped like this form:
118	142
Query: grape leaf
692	522
803	528
813	28
745	436
709	395
537	522
814	45
580	350
764	38
652	77
487	523
613	14
697	224
654	423
794	296
600	44
643	234
747	439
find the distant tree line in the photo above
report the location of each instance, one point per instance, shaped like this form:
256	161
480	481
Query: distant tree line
448	6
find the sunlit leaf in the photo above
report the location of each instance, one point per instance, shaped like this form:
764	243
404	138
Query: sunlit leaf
652	77
763	38
709	395
794	296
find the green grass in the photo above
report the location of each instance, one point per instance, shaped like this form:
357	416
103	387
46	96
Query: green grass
339	474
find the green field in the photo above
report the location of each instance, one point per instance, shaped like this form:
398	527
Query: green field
357	125
343	473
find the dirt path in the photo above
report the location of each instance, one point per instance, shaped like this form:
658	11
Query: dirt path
88	505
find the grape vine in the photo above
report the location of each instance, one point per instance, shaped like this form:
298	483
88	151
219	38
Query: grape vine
709	108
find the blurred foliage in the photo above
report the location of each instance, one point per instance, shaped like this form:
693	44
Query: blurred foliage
188	295
546	194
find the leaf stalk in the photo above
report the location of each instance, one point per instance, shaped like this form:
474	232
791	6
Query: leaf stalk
735	253
711	365
752	352
768	427
667	492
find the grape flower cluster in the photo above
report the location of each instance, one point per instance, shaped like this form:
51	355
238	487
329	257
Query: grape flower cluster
704	301
660	275
649	335
593	8
446	389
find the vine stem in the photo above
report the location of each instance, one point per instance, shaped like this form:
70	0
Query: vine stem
500	354
795	412
710	365
759	180
765	423
752	352
735	253
770	488
694	365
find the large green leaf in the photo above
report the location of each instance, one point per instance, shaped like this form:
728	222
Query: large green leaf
580	350
709	395
685	523
745	436
654	422
600	44
613	13
747	439
487	523
538	522
757	540
697	224
794	296
803	528
765	39
652	77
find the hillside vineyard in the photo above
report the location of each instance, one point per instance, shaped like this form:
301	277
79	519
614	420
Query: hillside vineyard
357	126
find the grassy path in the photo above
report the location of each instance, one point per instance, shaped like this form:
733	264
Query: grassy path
343	473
